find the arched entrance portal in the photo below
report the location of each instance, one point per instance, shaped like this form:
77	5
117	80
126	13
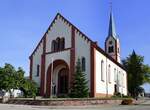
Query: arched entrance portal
57	82
63	81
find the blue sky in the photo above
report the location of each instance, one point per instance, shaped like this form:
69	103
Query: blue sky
23	23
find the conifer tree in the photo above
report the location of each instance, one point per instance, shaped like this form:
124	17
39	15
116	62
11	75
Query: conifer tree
79	88
138	73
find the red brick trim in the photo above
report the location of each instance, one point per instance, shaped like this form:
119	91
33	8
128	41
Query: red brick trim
43	59
72	56
93	75
42	75
31	66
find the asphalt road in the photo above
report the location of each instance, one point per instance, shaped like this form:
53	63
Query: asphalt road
143	106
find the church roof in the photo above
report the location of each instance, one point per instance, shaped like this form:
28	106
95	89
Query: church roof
112	30
70	24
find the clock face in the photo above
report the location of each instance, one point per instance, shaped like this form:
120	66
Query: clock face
110	42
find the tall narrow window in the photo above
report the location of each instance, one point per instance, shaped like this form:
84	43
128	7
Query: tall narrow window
102	70
119	78
111	49
115	75
110	42
53	46
62	44
118	50
122	79
38	70
83	64
109	74
58	44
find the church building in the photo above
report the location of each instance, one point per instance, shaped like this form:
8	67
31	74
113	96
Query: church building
52	63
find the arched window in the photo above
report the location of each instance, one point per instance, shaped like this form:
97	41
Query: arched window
102	70
115	75
118	50
58	44
38	70
53	45
122	80
109	74
119	78
110	42
111	49
62	44
83	64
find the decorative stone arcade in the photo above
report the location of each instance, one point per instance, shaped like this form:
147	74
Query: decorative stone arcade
57	78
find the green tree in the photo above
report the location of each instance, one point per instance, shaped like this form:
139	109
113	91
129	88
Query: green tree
29	88
1	79
79	87
138	73
19	79
10	79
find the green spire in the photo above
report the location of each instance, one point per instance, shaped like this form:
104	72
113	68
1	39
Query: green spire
112	30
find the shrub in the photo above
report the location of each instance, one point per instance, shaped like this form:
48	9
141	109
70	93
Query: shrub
127	102
118	94
63	96
125	96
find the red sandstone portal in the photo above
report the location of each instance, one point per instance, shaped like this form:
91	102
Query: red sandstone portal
63	78
63	81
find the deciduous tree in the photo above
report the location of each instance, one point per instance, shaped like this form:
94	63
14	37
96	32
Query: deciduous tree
11	79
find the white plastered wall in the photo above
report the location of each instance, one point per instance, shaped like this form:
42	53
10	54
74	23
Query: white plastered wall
37	61
105	86
82	49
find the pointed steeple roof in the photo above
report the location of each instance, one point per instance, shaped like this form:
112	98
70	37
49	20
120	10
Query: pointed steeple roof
112	30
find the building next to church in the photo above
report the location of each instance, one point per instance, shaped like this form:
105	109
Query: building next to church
52	63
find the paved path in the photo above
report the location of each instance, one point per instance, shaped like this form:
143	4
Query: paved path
143	106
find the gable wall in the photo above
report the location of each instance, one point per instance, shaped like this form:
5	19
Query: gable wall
59	29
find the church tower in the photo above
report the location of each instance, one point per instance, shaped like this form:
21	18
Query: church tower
112	44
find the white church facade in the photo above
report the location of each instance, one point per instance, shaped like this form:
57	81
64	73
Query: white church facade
52	63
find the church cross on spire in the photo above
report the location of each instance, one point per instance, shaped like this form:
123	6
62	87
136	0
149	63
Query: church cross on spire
110	3
112	30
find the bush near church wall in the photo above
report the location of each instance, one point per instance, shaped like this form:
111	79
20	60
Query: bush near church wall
127	102
65	102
